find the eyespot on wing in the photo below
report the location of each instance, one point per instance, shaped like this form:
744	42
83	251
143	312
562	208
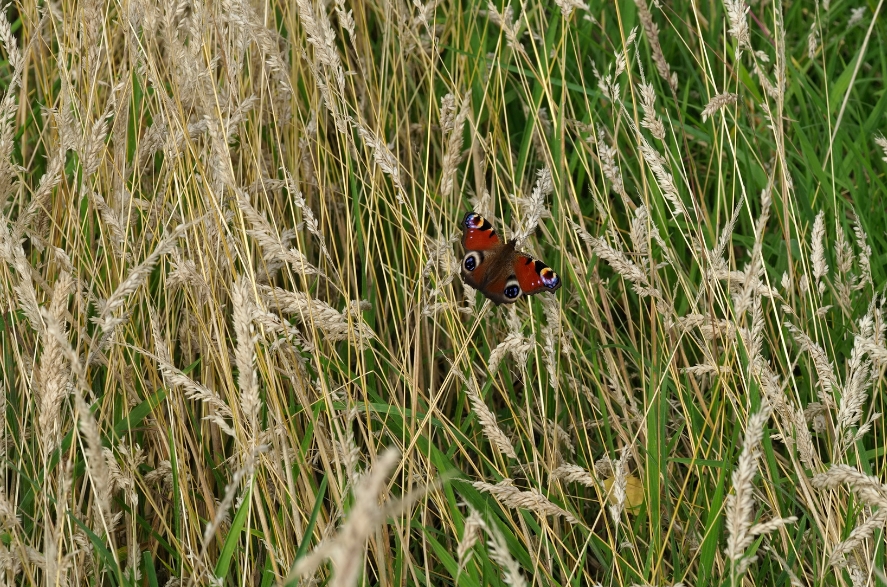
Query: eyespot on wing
478	234
535	276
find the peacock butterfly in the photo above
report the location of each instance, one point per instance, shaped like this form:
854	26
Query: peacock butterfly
496	268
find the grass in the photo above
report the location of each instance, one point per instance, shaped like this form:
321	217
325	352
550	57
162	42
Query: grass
236	349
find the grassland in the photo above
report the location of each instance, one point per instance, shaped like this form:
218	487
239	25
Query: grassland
236	349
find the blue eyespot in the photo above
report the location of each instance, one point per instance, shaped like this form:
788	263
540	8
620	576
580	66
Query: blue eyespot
512	291
471	261
549	278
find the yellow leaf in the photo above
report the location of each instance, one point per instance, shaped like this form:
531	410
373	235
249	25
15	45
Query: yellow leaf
634	493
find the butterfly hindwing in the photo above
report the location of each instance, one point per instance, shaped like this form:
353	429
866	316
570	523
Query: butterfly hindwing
534	276
495	290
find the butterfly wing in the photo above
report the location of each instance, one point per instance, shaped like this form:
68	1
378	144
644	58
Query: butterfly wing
478	234
534	276
482	246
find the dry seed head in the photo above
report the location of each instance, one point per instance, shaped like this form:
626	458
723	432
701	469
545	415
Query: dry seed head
856	16
867	488
347	549
335	325
474	523
664	178
736	15
507	22
638	232
813	41
574	474
53	374
488	422
346	18
825	371
740	504
193	390
133	281
845	281
651	31
567	6
384	158
499	552
535	205
882	142
858	535
854	396
865	254
609	166
820	266
718	102
452	121
244	352
506	493
650	121
804	441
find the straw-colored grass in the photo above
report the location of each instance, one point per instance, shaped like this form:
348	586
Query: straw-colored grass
236	349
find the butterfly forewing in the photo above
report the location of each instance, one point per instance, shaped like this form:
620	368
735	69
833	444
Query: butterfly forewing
478	233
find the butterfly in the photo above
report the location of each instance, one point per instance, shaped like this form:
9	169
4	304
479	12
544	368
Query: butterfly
496	268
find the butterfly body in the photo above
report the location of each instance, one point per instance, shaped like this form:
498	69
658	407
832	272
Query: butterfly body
496	268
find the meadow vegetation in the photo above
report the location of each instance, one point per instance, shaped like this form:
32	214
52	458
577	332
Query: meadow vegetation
236	349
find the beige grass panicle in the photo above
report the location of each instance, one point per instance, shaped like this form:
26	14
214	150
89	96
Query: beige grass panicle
664	178
608	156
651	120
347	548
244	352
508	23
820	266
881	141
651	31
108	320
452	120
474	523
273	245
574	474
515	343
487	419
534	207
335	325
870	491
741	532
568	6
813	40
506	493
53	375
499	552
736	16
865	254
717	103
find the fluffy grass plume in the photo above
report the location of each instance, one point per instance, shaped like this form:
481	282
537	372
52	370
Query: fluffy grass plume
236	349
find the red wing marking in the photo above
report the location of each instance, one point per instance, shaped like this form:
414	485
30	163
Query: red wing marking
478	234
